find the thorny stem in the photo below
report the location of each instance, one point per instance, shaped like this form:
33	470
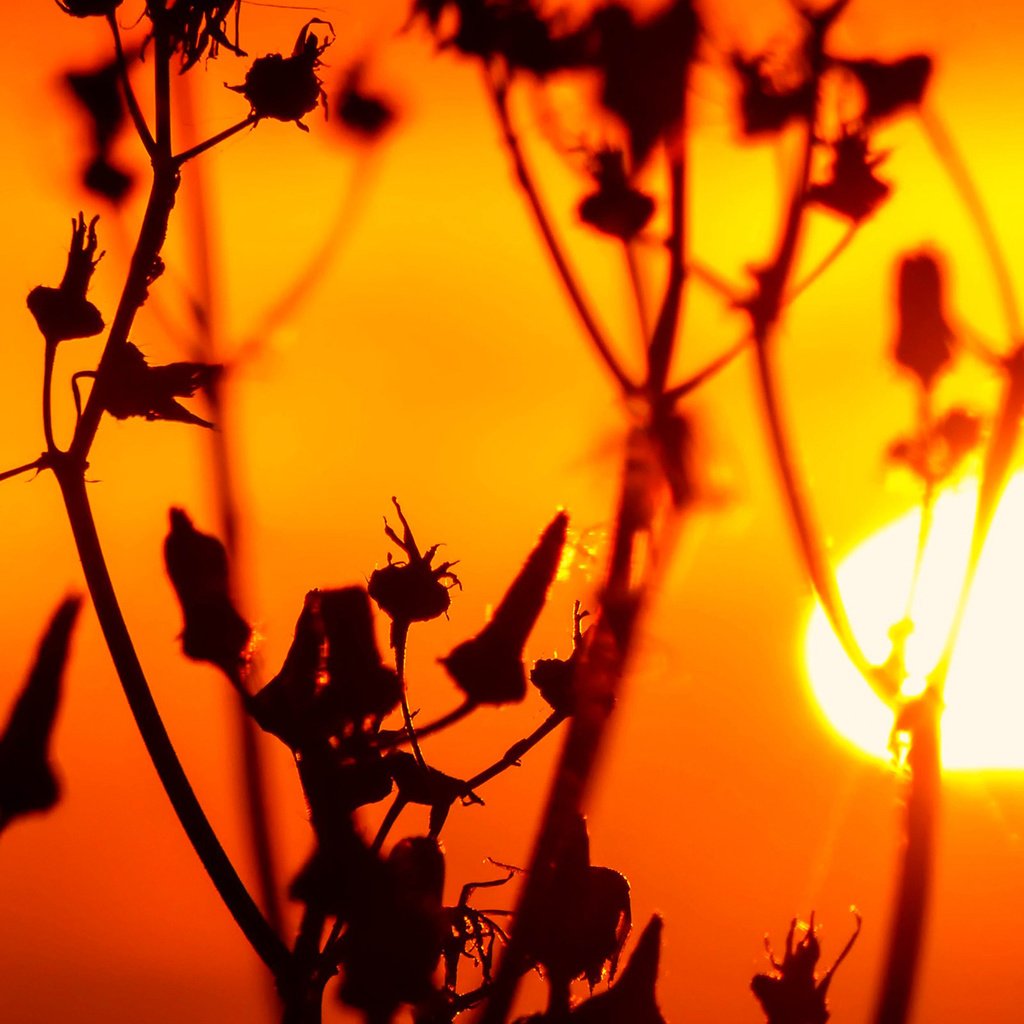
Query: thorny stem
158	744
515	753
399	638
498	91
37	464
389	739
134	110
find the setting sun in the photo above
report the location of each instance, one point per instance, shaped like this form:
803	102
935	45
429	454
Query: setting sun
984	696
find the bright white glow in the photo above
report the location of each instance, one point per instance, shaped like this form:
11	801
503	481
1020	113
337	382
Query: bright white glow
983	725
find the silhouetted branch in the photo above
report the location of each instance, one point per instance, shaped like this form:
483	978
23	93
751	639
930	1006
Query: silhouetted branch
827	260
214	140
703	375
36	464
947	152
131	102
158	744
512	757
499	96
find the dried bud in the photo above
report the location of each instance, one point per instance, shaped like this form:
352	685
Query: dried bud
64	312
923	336
198	567
616	208
198	27
414	590
768	102
361	113
288	88
27	780
489	667
555	677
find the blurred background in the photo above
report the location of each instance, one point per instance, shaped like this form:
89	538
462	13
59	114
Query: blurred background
437	360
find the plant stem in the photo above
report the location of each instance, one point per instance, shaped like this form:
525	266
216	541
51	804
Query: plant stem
232	891
949	155
49	355
514	754
598	683
214	140
498	92
666	328
916	870
637	286
719	363
399	639
134	110
37	464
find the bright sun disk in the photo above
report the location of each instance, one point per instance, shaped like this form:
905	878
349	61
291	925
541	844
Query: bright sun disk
983	724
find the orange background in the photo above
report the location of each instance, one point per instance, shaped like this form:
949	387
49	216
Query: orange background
438	361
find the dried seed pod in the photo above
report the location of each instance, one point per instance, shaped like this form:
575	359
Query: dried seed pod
923	335
63	313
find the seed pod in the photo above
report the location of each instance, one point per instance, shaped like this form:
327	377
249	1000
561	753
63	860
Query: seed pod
923	337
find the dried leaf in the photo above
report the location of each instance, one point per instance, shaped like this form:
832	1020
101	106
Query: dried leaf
27	780
129	386
489	667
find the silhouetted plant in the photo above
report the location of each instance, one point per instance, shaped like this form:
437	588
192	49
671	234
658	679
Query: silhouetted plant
379	917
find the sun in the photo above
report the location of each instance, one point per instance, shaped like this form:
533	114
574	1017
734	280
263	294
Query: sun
983	725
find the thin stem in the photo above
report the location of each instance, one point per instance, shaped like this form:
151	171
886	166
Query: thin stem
253	775
703	375
816	563
827	260
499	96
517	751
388	823
715	281
158	744
37	464
637	285
49	355
134	110
214	140
387	740
399	639
659	354
948	154
916	870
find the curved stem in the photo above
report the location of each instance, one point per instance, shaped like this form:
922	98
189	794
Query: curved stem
49	355
499	97
389	739
399	638
949	156
673	394
815	561
134	110
158	744
827	260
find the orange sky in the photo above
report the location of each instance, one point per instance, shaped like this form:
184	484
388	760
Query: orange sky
438	361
